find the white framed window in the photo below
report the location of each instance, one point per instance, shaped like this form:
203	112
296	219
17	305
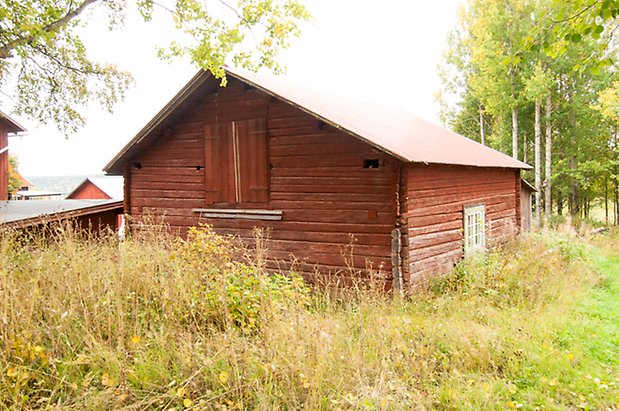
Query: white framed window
474	229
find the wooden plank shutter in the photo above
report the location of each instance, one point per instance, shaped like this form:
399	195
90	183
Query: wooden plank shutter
253	161
219	163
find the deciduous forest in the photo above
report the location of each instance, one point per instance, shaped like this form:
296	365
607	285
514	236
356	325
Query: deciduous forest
538	80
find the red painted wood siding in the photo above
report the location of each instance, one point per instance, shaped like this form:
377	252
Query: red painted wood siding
89	191
436	196
337	216
4	163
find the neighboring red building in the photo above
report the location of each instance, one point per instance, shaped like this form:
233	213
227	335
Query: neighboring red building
95	188
24	183
101	188
95	215
346	187
7	126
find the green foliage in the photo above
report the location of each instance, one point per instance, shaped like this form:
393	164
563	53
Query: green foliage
523	41
486	58
42	54
232	293
579	19
14	183
608	103
536	86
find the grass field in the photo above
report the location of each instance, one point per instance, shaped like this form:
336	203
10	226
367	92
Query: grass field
156	323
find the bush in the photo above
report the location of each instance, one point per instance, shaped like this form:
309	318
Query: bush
232	293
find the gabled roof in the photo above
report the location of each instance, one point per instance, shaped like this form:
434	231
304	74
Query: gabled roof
394	131
13	126
112	186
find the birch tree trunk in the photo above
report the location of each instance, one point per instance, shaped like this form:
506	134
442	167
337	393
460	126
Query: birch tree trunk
482	132
515	133
548	159
606	197
524	147
538	171
574	201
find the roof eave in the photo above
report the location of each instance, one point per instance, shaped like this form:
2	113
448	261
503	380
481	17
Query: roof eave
14	126
529	185
65	214
513	166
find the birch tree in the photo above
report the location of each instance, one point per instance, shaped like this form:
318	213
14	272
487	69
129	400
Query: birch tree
486	48
559	73
537	88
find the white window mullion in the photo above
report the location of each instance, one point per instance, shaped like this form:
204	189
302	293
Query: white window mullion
474	229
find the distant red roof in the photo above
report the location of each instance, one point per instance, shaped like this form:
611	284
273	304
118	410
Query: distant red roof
23	181
394	131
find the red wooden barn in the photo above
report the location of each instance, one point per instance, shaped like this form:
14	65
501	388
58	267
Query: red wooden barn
98	188
346	187
7	126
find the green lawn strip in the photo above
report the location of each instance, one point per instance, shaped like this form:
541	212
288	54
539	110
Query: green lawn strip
563	356
602	309
594	332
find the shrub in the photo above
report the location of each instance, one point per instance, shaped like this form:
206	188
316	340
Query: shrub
233	293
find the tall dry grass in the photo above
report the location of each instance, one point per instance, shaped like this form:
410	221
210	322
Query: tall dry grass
159	323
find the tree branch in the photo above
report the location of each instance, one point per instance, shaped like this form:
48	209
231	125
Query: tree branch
62	64
580	13
6	51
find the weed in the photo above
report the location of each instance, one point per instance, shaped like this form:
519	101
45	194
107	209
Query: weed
159	323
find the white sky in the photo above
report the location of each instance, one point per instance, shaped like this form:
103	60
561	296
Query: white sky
386	52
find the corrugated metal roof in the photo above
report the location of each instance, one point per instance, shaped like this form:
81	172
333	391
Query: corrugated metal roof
394	131
24	212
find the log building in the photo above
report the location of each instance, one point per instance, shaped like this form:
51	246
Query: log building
347	188
7	126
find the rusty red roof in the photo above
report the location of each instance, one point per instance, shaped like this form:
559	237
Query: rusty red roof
392	130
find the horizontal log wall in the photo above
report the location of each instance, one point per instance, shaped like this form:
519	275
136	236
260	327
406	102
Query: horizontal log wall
4	163
436	196
337	215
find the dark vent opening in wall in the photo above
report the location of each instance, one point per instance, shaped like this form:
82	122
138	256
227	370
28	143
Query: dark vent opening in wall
371	163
